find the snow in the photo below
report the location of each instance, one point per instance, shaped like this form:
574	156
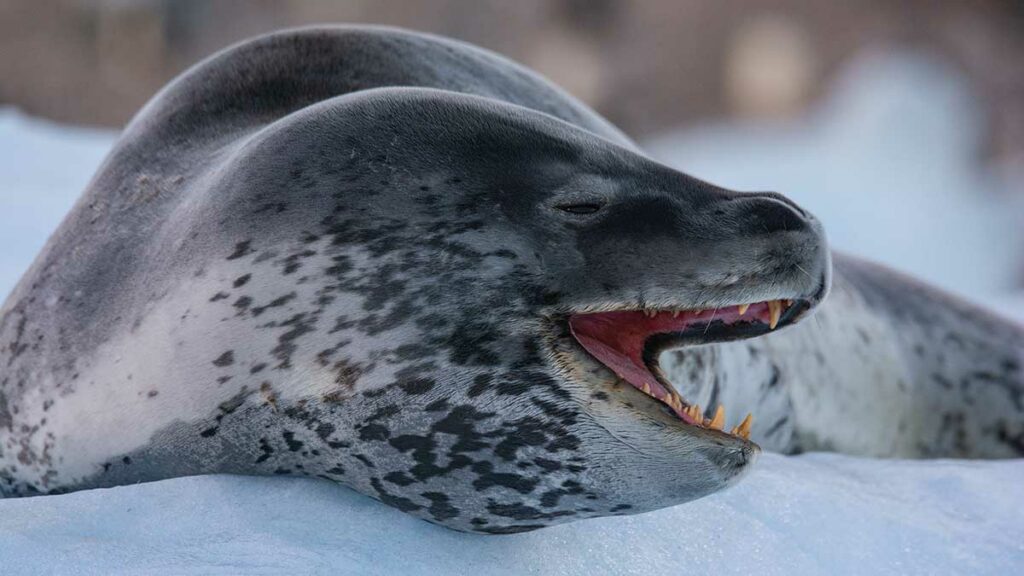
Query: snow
815	514
888	161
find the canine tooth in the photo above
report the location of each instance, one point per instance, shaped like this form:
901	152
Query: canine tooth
744	428
718	421
774	312
742	309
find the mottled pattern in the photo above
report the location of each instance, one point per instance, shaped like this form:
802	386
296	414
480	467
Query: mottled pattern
343	253
886	367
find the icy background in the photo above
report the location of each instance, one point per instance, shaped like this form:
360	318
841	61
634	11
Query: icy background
888	162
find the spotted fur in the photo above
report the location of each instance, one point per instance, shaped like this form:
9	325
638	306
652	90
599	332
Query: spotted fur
887	367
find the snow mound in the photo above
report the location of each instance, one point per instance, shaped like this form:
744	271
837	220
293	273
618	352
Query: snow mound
815	514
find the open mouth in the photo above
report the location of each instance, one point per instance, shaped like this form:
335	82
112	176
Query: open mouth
628	343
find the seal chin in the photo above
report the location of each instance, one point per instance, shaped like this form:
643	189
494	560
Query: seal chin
628	342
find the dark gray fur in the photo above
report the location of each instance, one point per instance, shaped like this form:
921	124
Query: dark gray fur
338	252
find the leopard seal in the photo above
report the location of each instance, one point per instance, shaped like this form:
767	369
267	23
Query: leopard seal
409	266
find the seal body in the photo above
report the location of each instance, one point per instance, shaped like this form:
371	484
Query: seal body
371	256
887	367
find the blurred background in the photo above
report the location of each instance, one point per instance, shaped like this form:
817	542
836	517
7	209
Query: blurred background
900	123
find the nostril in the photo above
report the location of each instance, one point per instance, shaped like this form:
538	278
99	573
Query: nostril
784	200
769	214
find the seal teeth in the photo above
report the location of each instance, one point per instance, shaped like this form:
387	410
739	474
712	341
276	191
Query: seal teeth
774	313
742	309
718	422
743	429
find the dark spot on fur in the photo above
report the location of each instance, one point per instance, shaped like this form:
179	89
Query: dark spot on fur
440	508
225	359
403	504
417	386
241	249
398	478
374	432
480	383
289	439
265	449
275	303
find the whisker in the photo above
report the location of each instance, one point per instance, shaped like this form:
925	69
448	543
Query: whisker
710	320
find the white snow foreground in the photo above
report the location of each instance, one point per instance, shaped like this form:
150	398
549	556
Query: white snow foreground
813	514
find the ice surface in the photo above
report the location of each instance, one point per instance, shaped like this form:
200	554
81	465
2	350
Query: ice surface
888	162
816	514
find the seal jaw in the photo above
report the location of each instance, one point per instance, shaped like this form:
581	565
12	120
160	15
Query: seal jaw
627	342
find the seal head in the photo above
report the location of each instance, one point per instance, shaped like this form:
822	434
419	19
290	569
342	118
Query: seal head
525	274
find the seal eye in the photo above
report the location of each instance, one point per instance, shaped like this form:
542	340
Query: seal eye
581	208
